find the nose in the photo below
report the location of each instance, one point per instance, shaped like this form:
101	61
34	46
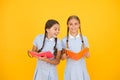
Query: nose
73	25
58	31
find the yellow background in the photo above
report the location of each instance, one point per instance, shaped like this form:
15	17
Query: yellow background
22	20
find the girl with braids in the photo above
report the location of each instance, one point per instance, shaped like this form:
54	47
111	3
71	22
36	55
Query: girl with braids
46	68
75	42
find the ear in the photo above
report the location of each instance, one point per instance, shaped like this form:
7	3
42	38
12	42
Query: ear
47	30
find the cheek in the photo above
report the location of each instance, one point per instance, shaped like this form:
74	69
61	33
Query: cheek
77	27
70	27
49	32
52	32
58	32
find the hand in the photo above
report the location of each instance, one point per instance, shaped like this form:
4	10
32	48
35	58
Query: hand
29	53
32	53
87	55
43	58
64	56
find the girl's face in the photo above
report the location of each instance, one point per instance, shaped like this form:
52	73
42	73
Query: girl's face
73	25
53	31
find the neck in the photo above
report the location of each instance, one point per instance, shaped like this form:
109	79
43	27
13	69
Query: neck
74	34
49	36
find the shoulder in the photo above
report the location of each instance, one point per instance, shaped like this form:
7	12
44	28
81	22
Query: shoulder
64	39
39	36
84	37
58	41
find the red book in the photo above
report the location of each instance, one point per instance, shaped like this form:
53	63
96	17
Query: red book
48	54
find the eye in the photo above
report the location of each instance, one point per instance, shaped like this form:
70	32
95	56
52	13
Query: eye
76	23
55	29
70	24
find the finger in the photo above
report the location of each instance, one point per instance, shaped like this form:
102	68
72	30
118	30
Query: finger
28	51
40	58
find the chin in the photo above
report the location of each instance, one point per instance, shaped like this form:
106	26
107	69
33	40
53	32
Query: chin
54	36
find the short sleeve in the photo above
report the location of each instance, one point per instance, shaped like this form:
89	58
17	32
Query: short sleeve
86	42
35	41
63	44
59	46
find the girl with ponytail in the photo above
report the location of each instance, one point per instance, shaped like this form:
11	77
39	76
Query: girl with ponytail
46	68
74	42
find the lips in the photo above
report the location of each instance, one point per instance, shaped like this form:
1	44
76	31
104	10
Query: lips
55	34
73	30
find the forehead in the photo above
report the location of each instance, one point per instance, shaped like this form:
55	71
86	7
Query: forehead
73	20
55	26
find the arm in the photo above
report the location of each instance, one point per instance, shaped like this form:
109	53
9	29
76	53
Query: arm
87	54
34	49
63	54
54	61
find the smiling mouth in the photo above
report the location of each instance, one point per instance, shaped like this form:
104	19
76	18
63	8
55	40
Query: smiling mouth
55	34
73	30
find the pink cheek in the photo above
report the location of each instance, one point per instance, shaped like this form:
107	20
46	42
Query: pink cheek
58	31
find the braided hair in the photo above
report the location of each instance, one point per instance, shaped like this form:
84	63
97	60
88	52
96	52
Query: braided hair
48	25
77	18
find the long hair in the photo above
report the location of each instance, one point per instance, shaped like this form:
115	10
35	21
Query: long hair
67	40
48	25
